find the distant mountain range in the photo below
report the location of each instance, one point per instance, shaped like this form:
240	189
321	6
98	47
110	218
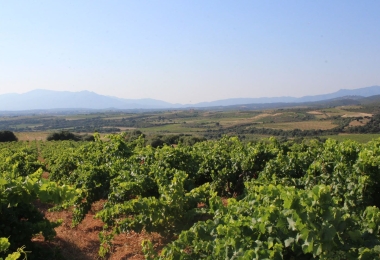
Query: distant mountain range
47	99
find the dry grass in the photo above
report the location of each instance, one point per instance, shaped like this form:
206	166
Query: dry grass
31	136
236	121
337	111
315	113
263	115
354	114
351	107
359	122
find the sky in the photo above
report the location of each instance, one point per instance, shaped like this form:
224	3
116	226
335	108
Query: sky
189	51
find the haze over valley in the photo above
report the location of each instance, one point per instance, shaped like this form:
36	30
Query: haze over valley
49	99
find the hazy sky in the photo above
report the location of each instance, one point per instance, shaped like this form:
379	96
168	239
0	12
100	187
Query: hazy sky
189	51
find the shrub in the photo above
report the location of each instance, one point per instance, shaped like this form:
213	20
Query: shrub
7	136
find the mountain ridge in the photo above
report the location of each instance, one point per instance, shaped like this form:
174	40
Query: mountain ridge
50	99
364	92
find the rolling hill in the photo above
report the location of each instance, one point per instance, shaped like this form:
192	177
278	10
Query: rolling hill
47	99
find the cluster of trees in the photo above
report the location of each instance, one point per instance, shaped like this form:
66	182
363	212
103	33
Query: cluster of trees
66	135
89	129
295	132
188	140
373	126
154	141
248	129
99	124
7	136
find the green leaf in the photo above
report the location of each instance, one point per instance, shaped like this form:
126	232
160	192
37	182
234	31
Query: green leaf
308	245
356	236
288	242
270	242
292	224
318	250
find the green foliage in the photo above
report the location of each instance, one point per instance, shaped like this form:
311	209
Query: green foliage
133	135
62	135
187	140
19	218
4	245
276	222
285	200
20	186
174	209
309	201
373	126
66	135
89	167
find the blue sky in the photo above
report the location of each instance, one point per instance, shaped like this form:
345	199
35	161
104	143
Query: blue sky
189	51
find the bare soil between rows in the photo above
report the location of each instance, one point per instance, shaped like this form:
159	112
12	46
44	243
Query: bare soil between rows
82	242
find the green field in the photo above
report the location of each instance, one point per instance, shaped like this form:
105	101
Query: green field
304	125
210	124
361	138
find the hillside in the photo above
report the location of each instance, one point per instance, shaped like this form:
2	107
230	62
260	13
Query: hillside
47	99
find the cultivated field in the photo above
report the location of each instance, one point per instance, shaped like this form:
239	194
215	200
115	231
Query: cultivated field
209	124
304	125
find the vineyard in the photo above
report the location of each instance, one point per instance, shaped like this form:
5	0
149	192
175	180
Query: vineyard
220	199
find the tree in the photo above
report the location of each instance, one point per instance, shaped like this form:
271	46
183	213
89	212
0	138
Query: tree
7	136
156	142
62	135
